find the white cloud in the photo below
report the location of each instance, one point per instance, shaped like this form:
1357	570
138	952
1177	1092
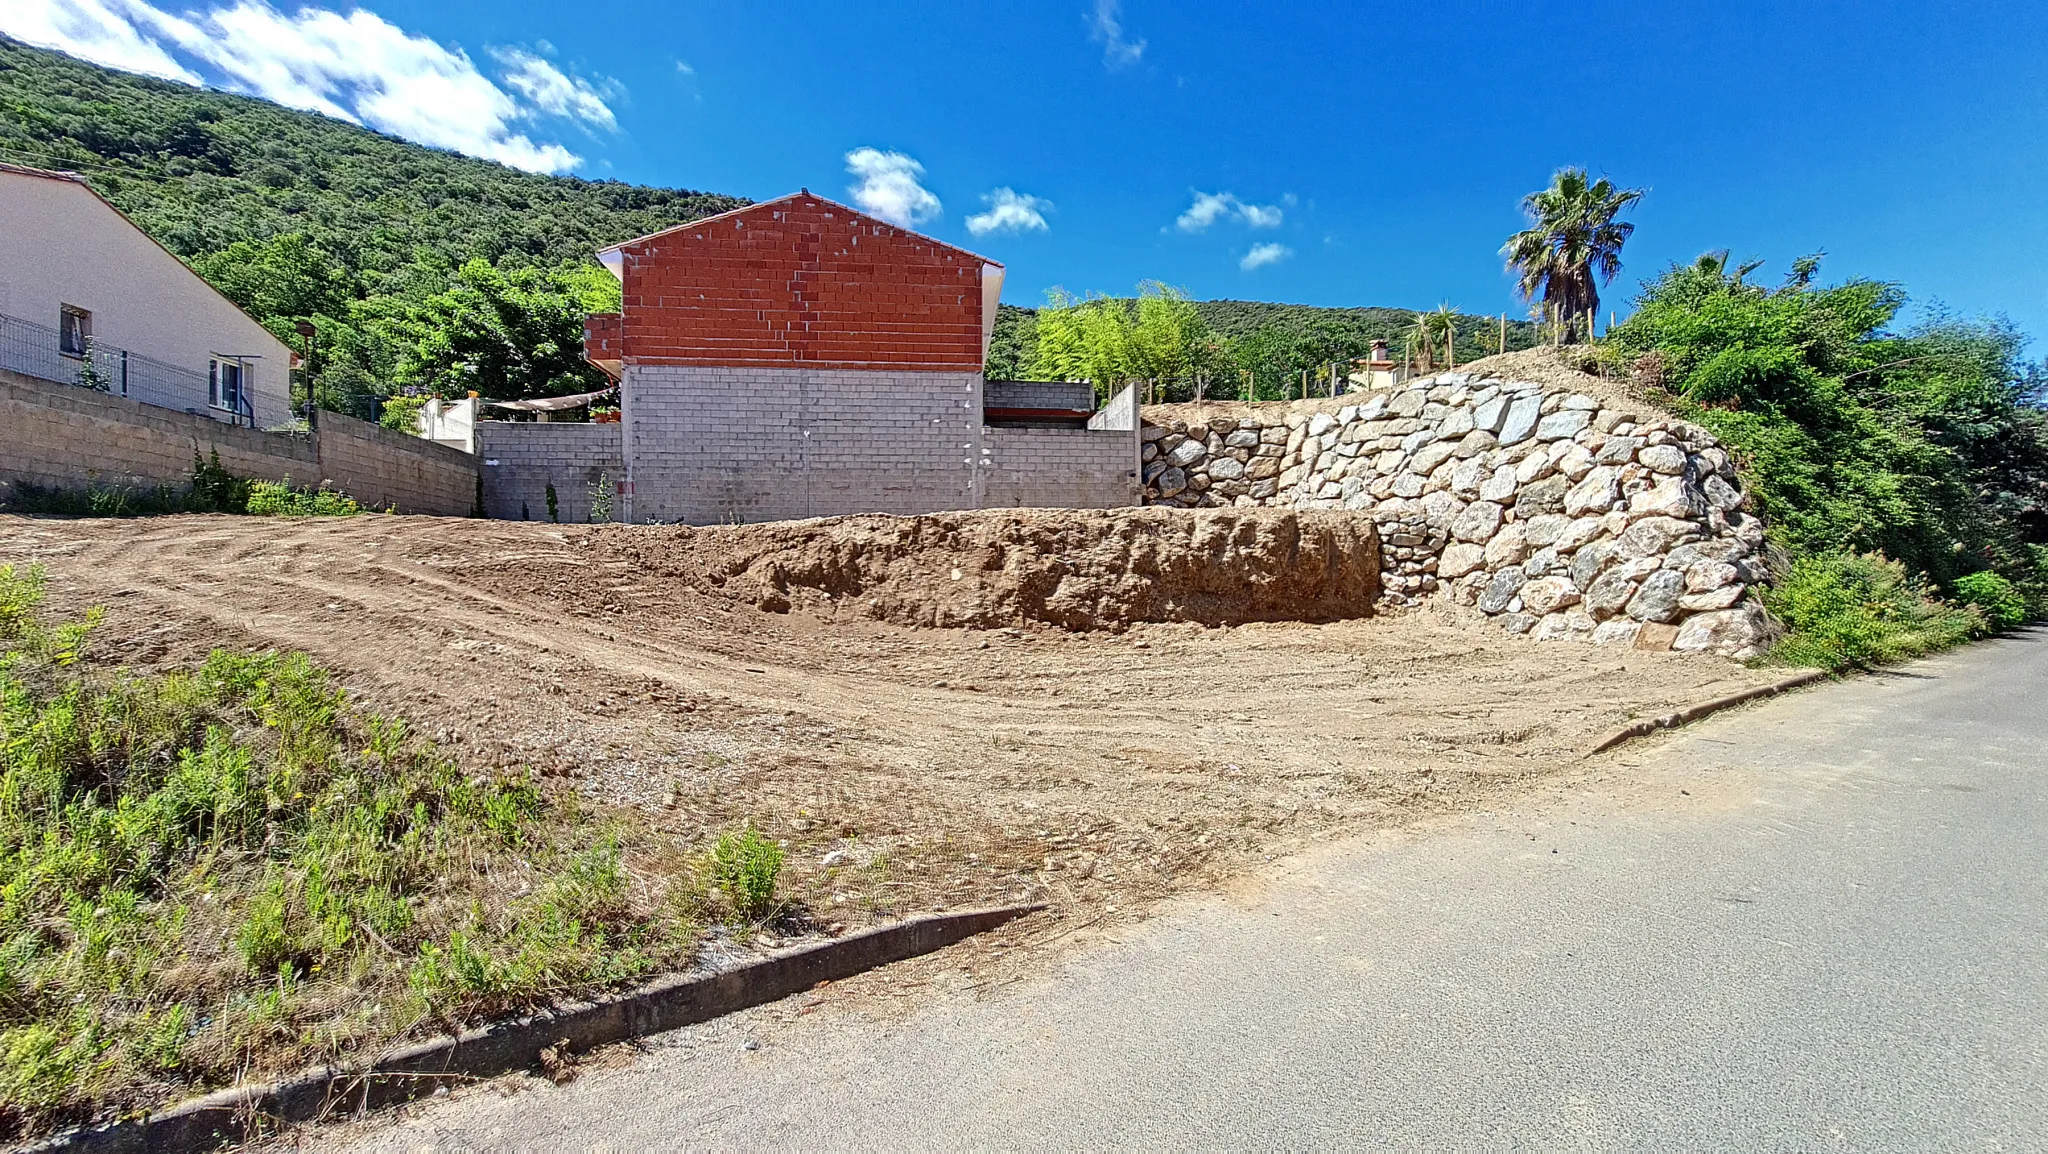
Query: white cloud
1259	216
91	30
889	187
1262	255
1009	211
1106	27
554	92
685	69
1210	207
359	67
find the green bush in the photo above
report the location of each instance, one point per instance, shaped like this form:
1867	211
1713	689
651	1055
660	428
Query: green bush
1846	611
1926	446
1998	599
746	865
401	413
279	499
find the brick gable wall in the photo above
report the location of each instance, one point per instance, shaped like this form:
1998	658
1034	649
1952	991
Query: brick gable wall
801	283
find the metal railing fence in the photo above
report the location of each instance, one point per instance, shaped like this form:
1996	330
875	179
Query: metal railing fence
35	350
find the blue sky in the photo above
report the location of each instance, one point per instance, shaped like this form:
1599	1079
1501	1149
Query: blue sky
1333	154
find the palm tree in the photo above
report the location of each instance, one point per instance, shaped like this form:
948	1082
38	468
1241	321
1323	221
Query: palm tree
1573	245
1715	263
1436	329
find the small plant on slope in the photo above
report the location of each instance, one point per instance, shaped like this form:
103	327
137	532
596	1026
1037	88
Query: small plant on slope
746	865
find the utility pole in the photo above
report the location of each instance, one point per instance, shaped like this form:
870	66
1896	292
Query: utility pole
306	332
1503	332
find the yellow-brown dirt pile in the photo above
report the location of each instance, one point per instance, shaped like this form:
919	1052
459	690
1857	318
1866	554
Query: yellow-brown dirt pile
1079	570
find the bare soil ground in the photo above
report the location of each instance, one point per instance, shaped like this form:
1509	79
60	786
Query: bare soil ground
908	768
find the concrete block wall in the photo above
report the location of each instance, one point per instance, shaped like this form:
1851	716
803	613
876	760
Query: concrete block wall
383	468
520	459
1060	468
1039	395
63	436
707	445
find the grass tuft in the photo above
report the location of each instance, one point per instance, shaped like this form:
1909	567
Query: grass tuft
746	865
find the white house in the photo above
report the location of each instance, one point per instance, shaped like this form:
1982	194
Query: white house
86	297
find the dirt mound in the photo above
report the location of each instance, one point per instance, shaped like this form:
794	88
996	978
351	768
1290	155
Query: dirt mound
1080	570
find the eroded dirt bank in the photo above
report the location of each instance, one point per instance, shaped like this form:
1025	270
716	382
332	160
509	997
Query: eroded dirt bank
1077	569
908	768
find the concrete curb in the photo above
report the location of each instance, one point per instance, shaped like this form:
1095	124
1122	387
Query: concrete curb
1695	712
242	1112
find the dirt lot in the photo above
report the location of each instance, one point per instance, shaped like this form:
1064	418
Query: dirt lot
929	766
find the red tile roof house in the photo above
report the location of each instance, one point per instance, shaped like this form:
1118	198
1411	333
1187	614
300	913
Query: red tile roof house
797	358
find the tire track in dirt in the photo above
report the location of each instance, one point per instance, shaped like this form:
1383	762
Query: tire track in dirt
943	765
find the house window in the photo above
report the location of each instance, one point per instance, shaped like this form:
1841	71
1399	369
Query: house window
224	384
74	329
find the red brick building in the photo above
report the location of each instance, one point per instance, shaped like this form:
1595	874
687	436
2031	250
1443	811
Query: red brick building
799	358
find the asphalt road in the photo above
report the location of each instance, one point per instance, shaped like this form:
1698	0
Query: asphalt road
1818	923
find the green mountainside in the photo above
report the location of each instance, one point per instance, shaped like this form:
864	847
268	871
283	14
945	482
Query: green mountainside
201	170
424	271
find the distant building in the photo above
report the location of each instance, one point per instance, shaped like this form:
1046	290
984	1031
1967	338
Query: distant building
1376	370
86	297
798	358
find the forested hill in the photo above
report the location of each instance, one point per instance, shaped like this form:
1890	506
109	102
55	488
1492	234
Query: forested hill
201	170
423	270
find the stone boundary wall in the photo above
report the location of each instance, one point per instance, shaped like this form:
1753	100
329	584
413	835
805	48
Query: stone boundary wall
63	436
1557	513
519	460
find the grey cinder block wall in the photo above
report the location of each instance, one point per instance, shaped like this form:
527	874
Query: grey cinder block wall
708	446
520	460
64	437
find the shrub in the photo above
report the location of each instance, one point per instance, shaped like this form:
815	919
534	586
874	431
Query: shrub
745	865
1847	610
1998	599
402	413
279	499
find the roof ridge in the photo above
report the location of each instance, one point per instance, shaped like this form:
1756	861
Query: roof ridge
805	192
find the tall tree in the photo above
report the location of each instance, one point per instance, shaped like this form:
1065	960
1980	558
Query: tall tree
1573	246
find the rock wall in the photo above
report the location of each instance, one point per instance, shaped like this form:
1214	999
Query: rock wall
1555	512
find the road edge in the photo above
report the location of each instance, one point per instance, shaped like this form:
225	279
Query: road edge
1695	712
243	1112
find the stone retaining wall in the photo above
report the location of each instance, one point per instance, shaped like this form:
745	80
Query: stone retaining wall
1556	513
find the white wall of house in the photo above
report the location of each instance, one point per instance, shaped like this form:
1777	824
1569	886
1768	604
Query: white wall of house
60	244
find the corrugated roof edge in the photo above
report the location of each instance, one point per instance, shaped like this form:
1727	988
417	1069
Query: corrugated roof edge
793	196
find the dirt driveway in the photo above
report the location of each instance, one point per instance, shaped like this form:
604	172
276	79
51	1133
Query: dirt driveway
908	768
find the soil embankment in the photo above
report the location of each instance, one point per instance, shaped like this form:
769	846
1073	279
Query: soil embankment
1077	569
